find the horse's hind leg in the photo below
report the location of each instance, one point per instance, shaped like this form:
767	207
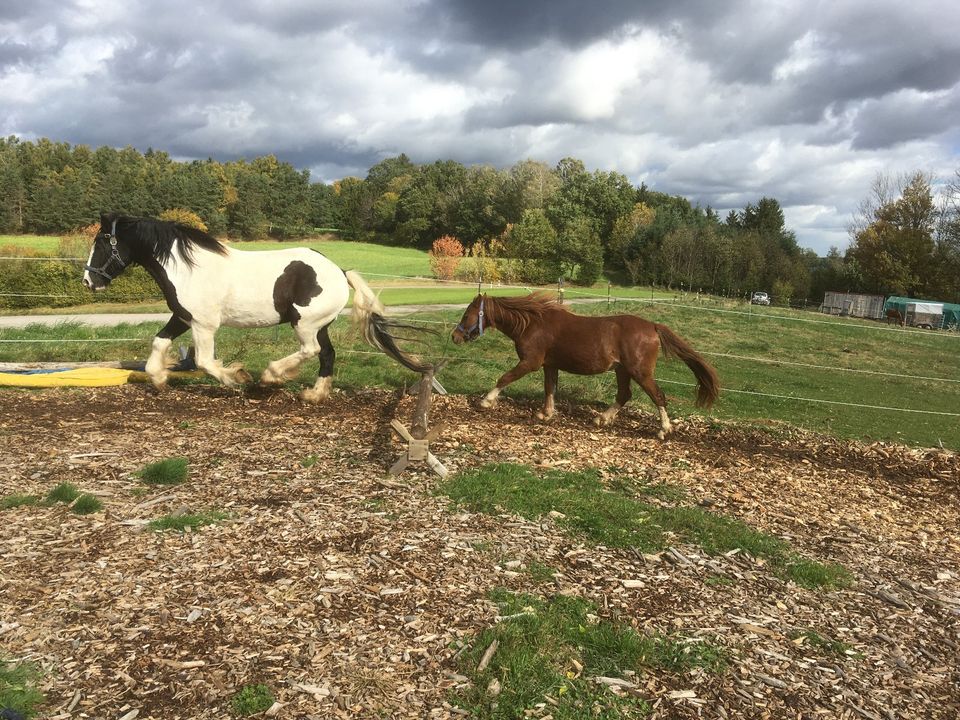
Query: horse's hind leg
623	397
651	388
287	368
321	389
203	341
157	363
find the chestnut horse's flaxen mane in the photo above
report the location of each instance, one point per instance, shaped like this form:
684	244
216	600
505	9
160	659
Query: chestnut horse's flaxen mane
520	311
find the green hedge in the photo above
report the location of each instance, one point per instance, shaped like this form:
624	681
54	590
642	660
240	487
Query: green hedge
55	283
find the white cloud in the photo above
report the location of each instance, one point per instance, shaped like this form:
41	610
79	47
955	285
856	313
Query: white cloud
723	103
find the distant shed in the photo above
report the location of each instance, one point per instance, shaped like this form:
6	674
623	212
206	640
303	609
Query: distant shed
853	304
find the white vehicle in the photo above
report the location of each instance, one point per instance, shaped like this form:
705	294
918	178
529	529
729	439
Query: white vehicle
760	298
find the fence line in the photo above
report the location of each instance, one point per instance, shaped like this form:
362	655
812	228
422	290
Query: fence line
74	340
765	316
42	258
487	361
566	291
816	400
774	361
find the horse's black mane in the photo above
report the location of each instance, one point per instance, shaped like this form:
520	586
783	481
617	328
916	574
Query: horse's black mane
158	238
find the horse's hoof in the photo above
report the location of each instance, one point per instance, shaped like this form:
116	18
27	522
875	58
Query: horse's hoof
544	417
242	377
661	435
487	404
311	396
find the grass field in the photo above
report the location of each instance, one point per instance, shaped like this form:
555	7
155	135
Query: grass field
40	243
365	257
773	351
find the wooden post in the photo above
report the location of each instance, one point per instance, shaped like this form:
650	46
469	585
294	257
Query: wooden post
419	435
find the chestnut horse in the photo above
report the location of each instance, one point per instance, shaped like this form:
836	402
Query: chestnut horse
549	336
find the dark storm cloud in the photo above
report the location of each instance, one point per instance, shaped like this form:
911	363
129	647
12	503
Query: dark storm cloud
507	24
721	101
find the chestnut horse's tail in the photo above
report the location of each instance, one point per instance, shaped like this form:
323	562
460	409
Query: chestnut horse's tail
375	328
708	384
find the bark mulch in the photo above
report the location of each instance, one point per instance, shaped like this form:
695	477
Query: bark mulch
349	592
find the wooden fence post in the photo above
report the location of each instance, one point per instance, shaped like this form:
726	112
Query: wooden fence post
419	435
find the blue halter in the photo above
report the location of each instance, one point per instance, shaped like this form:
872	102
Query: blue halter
114	257
478	325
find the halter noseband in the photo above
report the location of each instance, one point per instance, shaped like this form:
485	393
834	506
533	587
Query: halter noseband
114	257
478	325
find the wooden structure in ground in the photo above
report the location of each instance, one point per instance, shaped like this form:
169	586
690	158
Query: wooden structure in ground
419	436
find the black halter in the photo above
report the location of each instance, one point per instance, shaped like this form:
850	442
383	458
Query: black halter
478	325
114	258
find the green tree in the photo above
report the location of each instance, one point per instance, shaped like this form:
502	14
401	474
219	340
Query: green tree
895	252
534	241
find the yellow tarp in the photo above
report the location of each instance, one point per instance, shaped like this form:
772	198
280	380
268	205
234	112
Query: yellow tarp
78	377
82	377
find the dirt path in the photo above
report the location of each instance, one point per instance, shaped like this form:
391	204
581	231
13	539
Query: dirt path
349	593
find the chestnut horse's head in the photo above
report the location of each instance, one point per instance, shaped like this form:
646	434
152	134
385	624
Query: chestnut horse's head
473	322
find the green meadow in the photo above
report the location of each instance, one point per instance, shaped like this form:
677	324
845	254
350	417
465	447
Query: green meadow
864	377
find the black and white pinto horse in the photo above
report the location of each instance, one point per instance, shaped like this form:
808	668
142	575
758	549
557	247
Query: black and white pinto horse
207	284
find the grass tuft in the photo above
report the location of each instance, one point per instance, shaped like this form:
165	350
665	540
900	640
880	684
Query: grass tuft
15	500
618	519
63	493
252	699
86	504
171	471
819	642
18	690
540	644
187	520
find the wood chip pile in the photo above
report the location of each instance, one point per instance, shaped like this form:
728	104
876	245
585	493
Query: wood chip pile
349	594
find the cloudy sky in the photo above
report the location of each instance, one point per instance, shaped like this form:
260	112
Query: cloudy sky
722	102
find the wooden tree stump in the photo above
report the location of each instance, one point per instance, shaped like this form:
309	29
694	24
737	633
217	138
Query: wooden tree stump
418	437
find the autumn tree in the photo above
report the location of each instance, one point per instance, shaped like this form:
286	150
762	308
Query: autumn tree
895	250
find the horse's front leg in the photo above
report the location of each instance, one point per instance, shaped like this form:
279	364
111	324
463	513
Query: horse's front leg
203	341
524	367
158	362
550	377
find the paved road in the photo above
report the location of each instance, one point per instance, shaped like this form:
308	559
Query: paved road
98	320
111	319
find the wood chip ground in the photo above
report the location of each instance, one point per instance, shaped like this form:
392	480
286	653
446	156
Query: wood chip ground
349	592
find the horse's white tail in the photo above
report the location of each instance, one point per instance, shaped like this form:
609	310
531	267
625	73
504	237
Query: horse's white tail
375	328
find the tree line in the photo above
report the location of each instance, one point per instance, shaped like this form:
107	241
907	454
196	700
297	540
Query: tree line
560	221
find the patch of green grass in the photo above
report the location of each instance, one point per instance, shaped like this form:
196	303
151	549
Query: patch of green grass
63	493
18	687
86	504
714	580
309	461
538	571
171	471
187	520
252	699
15	500
539	642
826	644
616	519
812	574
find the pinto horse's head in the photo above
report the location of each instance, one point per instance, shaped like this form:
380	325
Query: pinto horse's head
109	255
473	322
